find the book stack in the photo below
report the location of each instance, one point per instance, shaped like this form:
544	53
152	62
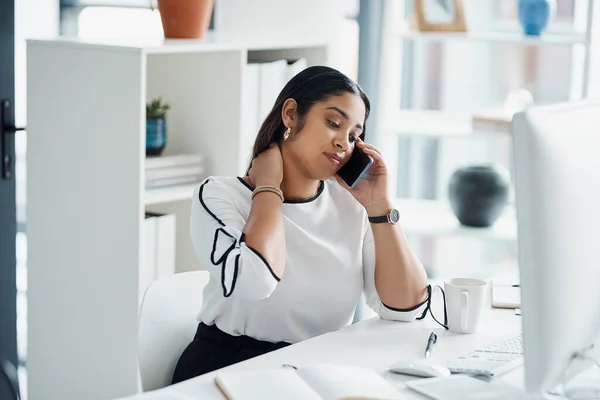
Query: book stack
162	171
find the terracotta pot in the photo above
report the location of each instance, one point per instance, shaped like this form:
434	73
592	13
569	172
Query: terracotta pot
185	19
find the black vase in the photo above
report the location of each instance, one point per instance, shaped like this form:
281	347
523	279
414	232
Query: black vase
478	194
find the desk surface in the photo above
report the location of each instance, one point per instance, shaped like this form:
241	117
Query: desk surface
373	343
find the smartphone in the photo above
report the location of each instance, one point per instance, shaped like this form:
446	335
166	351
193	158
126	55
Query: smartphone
356	167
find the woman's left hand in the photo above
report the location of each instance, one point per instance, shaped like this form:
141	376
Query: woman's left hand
372	190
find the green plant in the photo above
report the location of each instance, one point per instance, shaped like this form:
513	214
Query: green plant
157	108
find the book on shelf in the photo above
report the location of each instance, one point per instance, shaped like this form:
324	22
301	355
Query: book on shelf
176	160
159	249
315	382
173	170
498	121
182	180
263	81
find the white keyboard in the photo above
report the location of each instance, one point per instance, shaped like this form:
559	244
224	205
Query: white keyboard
492	360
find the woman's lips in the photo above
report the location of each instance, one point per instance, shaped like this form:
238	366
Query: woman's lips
334	159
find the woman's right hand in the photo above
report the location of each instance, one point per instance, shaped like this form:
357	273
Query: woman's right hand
267	168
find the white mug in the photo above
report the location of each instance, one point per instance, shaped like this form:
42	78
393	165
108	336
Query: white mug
464	302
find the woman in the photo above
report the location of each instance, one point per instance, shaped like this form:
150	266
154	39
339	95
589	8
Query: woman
290	247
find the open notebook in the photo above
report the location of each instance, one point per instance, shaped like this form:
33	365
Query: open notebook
315	382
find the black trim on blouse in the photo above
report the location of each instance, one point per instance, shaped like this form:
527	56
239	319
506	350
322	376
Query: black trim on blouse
223	259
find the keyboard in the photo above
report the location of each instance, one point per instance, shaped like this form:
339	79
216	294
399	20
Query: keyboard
492	360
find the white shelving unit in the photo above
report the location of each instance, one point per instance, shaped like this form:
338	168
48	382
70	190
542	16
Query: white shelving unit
441	125
86	196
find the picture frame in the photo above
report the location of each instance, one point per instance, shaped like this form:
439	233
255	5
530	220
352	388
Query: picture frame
440	16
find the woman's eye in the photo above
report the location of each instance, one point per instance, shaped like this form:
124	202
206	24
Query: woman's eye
353	139
333	124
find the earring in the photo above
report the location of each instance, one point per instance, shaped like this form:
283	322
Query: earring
286	134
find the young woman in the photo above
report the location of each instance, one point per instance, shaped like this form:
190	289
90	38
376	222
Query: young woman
290	247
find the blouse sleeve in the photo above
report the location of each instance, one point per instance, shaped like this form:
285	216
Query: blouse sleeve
371	296
216	231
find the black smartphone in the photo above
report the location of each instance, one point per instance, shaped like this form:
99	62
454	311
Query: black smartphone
356	167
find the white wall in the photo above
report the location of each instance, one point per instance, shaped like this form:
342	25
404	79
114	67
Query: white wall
33	18
298	20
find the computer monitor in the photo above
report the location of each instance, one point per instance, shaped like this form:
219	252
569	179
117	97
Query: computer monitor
556	152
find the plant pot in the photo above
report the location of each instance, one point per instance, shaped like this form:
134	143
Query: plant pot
535	14
156	135
478	194
185	19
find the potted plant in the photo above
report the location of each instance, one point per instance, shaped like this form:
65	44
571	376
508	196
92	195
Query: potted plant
156	126
185	19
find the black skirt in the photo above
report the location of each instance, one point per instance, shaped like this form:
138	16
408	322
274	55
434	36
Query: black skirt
212	349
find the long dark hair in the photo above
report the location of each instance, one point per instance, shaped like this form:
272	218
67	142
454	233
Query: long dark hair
312	85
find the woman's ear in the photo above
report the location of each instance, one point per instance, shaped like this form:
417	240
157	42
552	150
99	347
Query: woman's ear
289	113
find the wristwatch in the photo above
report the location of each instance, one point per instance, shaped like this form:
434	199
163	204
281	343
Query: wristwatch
391	218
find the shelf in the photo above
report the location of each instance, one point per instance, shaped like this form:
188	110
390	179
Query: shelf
431	123
435	218
169	194
498	37
211	43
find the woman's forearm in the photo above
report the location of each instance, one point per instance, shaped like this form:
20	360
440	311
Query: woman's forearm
400	278
264	230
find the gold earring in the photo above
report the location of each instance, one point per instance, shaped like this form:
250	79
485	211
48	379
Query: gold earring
286	134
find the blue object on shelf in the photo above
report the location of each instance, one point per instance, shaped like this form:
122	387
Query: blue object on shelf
156	135
534	15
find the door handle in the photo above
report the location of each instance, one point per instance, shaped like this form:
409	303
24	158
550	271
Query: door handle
6	128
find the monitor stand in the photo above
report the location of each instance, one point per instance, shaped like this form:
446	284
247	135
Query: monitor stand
583	386
583	392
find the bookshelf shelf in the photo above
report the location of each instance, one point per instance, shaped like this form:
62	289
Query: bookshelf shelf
564	39
156	46
169	194
435	218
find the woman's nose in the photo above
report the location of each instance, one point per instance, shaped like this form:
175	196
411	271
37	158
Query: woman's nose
342	144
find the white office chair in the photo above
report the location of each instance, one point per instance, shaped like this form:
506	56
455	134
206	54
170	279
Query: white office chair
167	325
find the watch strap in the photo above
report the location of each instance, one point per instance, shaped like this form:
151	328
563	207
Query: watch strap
382	219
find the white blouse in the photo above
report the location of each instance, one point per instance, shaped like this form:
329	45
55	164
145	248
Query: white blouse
330	261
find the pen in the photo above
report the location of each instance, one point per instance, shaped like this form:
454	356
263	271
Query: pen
430	342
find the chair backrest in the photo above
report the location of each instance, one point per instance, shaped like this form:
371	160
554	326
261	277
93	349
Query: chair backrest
167	325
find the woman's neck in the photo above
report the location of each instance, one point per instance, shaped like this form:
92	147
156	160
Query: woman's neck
295	184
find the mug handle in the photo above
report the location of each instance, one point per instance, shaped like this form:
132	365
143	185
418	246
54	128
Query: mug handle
464	310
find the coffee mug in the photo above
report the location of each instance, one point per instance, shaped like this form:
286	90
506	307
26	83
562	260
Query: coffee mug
464	302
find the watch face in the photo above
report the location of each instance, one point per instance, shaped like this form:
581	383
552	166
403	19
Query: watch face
394	216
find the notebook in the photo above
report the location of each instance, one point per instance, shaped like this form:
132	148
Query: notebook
314	382
506	296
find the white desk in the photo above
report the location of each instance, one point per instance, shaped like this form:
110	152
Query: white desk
373	343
